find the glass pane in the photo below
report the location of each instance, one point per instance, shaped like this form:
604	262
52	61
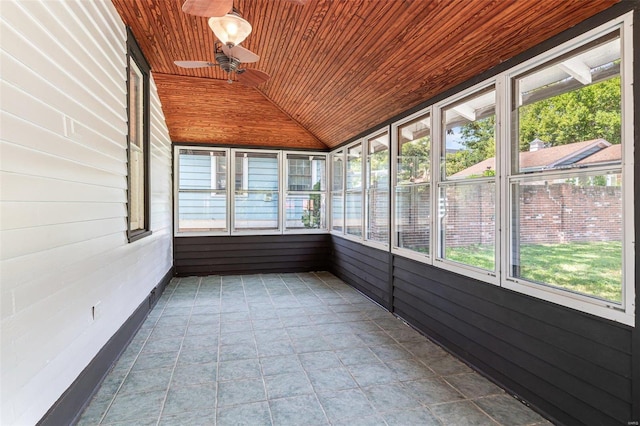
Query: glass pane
337	171
354	213
378	189
414	151
256	210
202	169
256	196
568	112
260	171
354	167
413	217
136	148
467	224
468	137
337	212
567	233
202	211
306	172
136	106
305	211
378	215
136	186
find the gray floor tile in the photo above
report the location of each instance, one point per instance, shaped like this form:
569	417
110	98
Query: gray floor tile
240	369
372	374
240	392
357	356
331	380
319	360
433	391
287	385
192	418
347	404
190	398
149	360
275	348
280	365
448	365
391	397
252	414
299	410
198	356
135	406
215	348
473	385
508	410
238	351
420	416
461	413
142	381
409	369
192	374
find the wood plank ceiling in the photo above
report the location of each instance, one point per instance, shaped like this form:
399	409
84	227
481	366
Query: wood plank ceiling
338	67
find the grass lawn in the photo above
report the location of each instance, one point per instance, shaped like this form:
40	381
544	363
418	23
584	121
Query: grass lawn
594	269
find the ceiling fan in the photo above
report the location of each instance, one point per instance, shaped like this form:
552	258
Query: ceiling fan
229	60
210	8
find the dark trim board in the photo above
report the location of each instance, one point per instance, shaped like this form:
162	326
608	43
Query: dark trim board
73	401
226	255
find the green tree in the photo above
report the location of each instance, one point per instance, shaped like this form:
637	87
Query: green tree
311	217
587	113
414	160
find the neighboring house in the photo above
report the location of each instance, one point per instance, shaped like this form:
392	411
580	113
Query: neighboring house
541	158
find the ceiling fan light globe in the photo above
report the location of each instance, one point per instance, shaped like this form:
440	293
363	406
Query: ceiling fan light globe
230	29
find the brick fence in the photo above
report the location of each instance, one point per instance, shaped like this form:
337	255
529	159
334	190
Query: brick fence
548	214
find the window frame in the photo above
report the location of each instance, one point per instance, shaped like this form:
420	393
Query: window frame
134	53
439	181
395	249
625	312
366	182
322	192
176	191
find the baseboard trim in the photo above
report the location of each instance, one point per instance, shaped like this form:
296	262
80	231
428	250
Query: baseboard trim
70	405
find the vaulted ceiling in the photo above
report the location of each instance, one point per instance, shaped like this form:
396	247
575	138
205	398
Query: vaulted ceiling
337	67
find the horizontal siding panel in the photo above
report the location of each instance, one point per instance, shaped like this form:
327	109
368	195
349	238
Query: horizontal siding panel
378	254
530	328
21	132
84	77
27	161
373	276
525	351
529	386
600	331
80	105
16	215
17	187
20	242
250	254
355	280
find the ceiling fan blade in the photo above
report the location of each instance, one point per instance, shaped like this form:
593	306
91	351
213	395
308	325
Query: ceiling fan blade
207	8
252	78
240	53
194	64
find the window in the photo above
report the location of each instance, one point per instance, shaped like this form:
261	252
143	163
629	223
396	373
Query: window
377	193
137	142
570	229
337	191
202	190
305	199
412	188
256	197
467	182
353	192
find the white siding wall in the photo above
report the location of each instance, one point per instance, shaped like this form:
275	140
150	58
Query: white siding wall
63	193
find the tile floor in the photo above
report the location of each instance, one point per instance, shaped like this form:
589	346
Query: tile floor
289	349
